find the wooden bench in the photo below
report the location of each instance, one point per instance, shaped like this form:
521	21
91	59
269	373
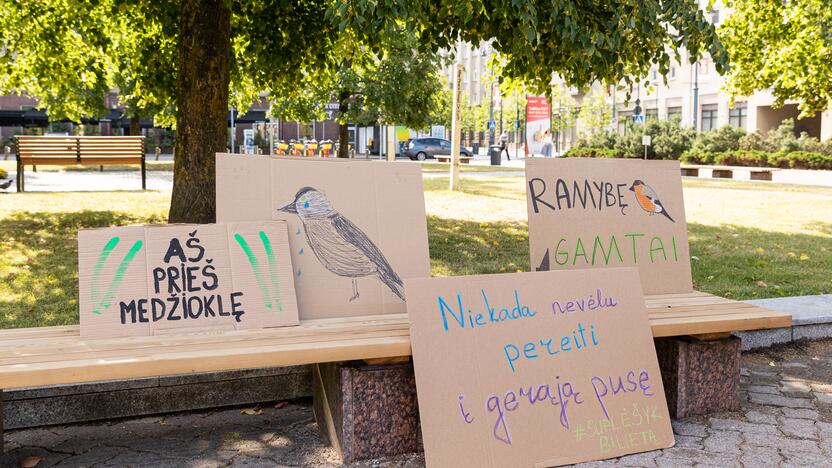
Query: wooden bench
447	159
36	357
32	150
727	172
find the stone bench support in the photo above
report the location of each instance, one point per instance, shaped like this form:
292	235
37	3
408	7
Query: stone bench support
367	411
700	376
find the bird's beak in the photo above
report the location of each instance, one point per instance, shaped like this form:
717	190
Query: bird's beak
632	188
290	208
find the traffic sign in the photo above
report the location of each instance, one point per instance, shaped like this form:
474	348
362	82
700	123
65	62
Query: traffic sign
638	118
492	125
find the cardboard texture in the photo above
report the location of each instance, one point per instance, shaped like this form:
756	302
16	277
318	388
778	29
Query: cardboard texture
535	369
147	280
588	212
356	228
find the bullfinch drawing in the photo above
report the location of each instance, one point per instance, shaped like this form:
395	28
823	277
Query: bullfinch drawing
340	245
648	200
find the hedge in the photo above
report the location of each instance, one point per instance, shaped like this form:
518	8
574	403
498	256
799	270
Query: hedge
758	158
586	152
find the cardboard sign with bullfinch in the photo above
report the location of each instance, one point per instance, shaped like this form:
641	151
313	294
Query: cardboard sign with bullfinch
595	213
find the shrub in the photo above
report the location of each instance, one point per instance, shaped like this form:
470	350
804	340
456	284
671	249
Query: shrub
586	152
697	157
755	158
782	138
808	160
598	140
670	139
753	141
3	174
719	140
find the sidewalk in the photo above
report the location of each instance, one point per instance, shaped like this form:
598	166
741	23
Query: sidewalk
786	418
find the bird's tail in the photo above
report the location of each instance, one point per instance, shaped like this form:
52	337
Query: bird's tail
664	212
392	280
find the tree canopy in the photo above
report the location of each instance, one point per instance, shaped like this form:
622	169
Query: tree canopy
583	42
191	59
393	83
785	46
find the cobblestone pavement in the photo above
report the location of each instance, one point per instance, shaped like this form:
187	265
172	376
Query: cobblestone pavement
786	420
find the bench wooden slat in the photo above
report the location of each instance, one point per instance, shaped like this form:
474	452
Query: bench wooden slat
717	324
56	161
57	355
213	360
22	352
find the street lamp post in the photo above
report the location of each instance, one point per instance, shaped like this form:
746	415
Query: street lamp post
695	93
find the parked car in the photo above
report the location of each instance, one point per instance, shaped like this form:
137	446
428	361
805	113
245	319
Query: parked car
419	149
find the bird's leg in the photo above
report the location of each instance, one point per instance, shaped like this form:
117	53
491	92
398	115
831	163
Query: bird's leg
354	290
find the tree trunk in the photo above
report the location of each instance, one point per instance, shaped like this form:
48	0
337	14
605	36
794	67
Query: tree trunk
202	107
343	129
135	126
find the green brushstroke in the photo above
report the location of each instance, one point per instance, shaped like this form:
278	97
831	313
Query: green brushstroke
118	277
255	265
99	266
267	246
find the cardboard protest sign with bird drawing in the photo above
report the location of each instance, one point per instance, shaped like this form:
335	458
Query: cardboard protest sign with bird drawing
356	228
588	212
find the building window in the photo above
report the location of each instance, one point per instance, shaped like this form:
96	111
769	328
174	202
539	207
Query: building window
651	114
674	113
737	116
708	117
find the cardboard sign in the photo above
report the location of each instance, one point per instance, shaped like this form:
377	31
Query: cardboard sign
356	228
587	212
147	280
535	369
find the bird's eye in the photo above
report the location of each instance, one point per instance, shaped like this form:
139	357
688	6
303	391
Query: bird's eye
306	205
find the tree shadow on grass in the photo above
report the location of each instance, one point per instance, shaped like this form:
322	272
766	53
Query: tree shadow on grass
39	264
461	247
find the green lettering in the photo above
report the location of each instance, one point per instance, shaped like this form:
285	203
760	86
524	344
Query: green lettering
633	236
561	254
675	252
656	249
579	246
608	253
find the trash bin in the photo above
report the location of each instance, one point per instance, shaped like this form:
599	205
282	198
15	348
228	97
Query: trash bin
475	149
495	152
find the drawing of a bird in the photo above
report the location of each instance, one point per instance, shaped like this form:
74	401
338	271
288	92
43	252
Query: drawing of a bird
648	200
339	244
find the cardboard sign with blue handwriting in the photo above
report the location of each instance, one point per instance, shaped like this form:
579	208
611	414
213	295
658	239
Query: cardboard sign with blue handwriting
535	369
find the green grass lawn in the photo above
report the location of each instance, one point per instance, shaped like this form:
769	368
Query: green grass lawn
748	240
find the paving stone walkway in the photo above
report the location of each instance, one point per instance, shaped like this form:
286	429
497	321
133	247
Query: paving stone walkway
786	420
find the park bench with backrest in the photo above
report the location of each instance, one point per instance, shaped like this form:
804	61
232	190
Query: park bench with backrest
32	150
375	401
727	172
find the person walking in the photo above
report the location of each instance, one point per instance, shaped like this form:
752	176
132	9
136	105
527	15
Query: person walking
504	145
547	143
